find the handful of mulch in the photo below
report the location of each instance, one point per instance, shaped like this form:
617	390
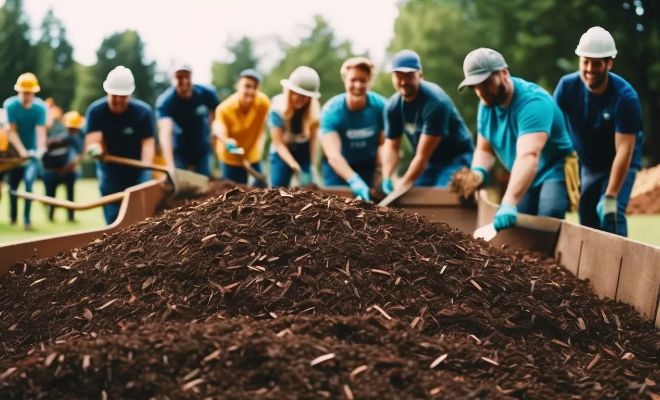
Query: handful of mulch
465	182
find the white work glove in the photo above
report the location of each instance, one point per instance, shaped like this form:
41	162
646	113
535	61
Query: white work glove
94	150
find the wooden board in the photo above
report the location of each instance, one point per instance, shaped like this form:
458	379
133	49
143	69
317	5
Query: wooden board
569	246
600	261
639	281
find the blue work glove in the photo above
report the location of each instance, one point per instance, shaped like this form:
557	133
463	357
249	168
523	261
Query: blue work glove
304	178
233	148
359	187
606	205
387	186
505	217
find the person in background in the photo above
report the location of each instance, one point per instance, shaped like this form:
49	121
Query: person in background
239	125
352	130
121	126
421	110
62	158
185	113
26	115
604	116
518	122
294	121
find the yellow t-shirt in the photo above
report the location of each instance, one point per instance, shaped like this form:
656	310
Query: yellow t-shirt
246	128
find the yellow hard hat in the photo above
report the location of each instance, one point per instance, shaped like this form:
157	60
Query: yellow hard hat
73	119
27	82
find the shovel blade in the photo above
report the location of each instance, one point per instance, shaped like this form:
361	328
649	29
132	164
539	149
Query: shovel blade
486	232
189	183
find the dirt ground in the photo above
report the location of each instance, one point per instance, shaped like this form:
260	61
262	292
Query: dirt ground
645	203
291	294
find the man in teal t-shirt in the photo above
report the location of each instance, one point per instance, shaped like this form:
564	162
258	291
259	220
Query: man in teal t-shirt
26	116
352	130
520	123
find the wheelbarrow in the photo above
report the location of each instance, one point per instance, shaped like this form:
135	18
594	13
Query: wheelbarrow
10	163
185	183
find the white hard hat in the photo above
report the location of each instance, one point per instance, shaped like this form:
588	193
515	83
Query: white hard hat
305	81
596	43
119	82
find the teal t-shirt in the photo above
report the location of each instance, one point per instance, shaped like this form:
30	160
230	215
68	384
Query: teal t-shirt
26	119
359	131
531	110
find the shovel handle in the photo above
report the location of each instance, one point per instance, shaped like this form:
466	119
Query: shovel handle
108	158
70	205
392	197
248	167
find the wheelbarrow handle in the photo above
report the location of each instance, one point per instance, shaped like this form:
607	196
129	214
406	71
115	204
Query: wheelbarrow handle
109	158
70	205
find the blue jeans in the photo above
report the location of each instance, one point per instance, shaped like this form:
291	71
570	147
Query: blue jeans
28	173
440	175
200	164
593	186
240	174
366	170
110	183
549	199
280	172
52	181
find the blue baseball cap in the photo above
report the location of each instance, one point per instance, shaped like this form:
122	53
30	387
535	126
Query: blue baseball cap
251	73
406	61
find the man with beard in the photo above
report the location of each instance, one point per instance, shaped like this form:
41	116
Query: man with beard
441	141
239	124
352	130
185	113
605	123
120	126
520	123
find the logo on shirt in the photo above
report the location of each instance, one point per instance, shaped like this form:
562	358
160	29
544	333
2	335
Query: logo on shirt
606	115
128	131
357	134
202	110
409	127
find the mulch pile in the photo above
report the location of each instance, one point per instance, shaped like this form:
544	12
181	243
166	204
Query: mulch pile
283	294
645	203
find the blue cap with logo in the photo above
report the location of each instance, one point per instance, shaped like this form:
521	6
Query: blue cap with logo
406	61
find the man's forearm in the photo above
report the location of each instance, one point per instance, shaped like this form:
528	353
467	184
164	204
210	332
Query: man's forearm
618	173
522	175
390	158
148	150
415	169
165	138
15	140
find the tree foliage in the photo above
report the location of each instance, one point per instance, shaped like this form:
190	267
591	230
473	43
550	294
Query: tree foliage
225	74
16	52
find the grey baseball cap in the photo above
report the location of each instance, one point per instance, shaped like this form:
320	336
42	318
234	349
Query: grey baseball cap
479	64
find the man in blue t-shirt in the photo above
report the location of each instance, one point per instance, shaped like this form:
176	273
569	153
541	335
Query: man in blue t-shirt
26	117
185	113
520	123
352	130
605	122
422	110
120	126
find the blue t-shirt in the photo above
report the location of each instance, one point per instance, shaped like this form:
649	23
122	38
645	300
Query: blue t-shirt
431	113
190	117
594	119
26	119
531	110
123	133
359	131
276	120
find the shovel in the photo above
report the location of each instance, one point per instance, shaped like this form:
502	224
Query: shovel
531	222
10	163
71	205
396	193
240	152
186	183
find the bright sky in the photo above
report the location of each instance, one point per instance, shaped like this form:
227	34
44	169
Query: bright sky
197	31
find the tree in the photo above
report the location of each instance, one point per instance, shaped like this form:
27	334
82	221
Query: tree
124	48
320	50
55	67
16	53
225	74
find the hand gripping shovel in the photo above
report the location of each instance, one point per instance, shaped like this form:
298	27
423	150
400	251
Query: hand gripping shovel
531	222
396	193
240	152
185	183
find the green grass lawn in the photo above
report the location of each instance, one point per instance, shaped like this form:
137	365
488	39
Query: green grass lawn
643	228
86	190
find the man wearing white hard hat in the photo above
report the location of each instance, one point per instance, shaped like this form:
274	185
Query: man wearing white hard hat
294	122
185	114
26	117
121	126
605	123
